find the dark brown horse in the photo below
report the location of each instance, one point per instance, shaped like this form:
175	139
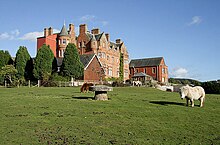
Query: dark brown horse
85	87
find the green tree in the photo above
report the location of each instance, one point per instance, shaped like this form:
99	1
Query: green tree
72	66
43	63
121	67
5	58
23	63
8	72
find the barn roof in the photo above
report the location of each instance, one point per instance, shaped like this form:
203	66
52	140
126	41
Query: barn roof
86	58
145	62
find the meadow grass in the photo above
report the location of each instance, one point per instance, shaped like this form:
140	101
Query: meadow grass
132	116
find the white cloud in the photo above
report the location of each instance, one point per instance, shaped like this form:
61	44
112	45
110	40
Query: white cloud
179	72
9	35
15	32
87	18
104	23
195	20
32	36
93	19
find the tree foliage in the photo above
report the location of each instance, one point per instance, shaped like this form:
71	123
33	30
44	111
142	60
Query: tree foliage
72	66
212	87
5	58
23	63
8	72
43	63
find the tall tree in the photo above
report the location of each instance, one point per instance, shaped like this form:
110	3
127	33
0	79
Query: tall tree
23	63
72	66
5	58
121	67
43	63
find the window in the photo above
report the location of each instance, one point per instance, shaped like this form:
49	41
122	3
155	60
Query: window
112	59
99	55
107	57
163	70
145	70
62	53
103	55
59	53
64	41
110	71
153	70
126	73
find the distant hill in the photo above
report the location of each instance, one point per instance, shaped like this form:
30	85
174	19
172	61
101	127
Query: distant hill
211	87
184	81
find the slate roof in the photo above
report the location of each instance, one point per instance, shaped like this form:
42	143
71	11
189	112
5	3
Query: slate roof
145	62
141	74
63	31
86	58
98	36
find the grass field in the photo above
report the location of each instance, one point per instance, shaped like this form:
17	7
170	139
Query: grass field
131	116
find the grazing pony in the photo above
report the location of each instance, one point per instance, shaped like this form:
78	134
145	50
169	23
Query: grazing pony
85	87
192	93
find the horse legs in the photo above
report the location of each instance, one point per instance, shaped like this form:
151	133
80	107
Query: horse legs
201	102
187	102
192	102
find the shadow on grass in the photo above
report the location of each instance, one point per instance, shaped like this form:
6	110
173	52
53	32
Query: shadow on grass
166	103
83	98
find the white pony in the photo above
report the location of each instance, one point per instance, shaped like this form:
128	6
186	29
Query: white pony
192	93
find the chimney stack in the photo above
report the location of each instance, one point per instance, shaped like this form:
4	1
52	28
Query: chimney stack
95	31
107	37
118	41
82	28
50	31
46	32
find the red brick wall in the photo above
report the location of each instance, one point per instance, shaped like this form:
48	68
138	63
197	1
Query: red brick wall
159	75
90	74
49	40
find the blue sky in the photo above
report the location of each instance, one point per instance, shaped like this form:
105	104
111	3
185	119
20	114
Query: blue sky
185	32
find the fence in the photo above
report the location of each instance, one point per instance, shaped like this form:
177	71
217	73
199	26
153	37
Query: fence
51	83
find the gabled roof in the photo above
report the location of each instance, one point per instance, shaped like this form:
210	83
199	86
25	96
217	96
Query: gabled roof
86	59
63	31
146	62
98	36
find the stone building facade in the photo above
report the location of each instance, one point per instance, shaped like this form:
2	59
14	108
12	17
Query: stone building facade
87	42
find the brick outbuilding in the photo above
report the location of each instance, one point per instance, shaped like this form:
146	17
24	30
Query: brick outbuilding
154	67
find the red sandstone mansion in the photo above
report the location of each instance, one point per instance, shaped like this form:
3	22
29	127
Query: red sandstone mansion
100	56
88	43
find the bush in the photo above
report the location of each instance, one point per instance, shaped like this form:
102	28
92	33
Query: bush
211	87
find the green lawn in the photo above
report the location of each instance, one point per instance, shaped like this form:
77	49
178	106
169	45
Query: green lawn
131	116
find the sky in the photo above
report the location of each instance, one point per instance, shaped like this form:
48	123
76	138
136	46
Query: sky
185	32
